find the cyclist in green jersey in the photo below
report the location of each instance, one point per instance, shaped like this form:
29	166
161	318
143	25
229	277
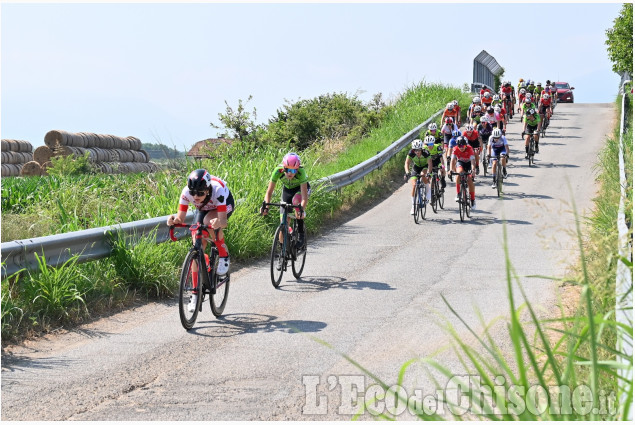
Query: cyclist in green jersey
434	132
538	91
296	189
532	125
436	155
418	158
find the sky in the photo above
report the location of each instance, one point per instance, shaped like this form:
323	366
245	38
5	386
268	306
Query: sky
163	72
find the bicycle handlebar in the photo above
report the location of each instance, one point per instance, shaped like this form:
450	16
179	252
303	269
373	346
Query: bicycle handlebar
284	205
192	227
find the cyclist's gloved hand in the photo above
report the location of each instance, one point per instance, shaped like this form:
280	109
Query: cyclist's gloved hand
264	209
405	177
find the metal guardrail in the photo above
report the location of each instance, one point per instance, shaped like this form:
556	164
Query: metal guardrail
624	278
93	244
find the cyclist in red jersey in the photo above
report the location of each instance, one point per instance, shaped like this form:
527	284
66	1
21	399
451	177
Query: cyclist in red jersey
487	99
450	112
473	139
463	160
544	106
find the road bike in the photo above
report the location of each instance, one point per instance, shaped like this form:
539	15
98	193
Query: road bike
421	202
285	244
531	151
465	204
497	167
208	281
438	194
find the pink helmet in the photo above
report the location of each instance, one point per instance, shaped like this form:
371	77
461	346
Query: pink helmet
291	160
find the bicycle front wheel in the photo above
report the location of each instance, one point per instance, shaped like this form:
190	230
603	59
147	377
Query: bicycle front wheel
424	204
277	257
417	204
499	183
187	290
441	196
435	194
462	202
218	300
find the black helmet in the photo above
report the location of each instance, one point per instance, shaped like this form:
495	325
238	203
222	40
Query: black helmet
199	180
490	109
460	141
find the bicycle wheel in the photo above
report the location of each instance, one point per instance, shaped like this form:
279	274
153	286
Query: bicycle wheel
484	165
297	265
424	204
278	260
186	290
499	182
462	204
218	300
441	197
417	204
530	151
435	194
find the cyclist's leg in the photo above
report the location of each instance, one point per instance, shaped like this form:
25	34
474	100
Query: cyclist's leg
428	187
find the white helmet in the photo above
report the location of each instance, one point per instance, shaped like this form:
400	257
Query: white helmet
456	102
469	127
497	97
432	126
523	91
477	109
497	133
417	144
497	109
545	96
429	140
476	99
451	106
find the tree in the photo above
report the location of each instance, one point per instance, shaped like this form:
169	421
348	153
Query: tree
239	122
619	40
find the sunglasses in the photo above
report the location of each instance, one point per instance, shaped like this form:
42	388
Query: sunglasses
197	193
290	170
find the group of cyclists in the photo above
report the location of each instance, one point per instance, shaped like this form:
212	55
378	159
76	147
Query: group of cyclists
484	134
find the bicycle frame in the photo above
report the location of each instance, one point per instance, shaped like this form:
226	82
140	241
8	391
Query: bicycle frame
288	250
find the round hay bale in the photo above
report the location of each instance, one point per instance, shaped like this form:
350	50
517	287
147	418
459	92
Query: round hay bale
135	144
42	154
69	150
5	145
20	146
57	137
109	142
125	143
9	157
31	168
146	155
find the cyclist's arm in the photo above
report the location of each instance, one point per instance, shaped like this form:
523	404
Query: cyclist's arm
220	222
270	188
179	217
430	164
407	164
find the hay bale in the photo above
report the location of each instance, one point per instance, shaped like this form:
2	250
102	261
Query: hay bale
55	138
31	168
11	145
42	154
45	167
11	170
5	145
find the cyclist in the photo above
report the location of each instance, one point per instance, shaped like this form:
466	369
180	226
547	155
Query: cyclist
450	111
538	90
448	128
474	140
508	96
457	107
489	116
496	101
532	125
463	160
487	99
497	143
521	84
484	130
434	132
418	159
476	101
475	118
527	105
521	99
295	189
214	205
436	154
544	107
501	118
530	87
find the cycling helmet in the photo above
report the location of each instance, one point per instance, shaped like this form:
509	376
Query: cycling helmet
539	85
490	110
523	85
545	96
497	109
521	80
469	127
417	144
456	133
548	82
523	91
449	120
497	133
432	126
532	111
476	99
496	97
477	109
291	160
429	140
456	102
528	99
199	180
460	141
450	106
486	94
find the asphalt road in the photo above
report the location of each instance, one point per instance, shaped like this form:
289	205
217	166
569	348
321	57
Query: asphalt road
371	289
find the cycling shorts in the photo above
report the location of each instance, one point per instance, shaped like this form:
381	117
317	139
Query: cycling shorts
289	194
474	143
500	150
531	128
467	166
543	109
